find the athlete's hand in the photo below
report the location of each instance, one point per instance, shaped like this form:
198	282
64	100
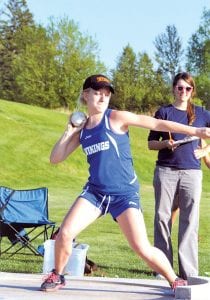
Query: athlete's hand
203	132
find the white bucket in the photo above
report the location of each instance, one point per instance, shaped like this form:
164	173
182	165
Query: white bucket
49	259
76	263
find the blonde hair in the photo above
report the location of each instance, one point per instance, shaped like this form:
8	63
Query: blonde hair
81	101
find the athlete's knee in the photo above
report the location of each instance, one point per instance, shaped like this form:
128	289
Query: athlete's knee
65	236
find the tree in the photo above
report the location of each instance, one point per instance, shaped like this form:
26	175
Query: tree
202	86
203	79
169	52
198	49
198	58
138	87
50	65
35	69
13	18
124	78
76	58
151	90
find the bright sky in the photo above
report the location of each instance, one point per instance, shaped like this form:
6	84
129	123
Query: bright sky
114	24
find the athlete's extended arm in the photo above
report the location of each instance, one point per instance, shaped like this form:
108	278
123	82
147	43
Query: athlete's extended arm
131	119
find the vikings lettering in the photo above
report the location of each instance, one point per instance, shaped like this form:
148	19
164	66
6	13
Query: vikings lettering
96	148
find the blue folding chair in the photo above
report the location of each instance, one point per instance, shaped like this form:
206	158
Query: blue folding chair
21	210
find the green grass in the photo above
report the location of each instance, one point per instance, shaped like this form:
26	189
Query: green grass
27	136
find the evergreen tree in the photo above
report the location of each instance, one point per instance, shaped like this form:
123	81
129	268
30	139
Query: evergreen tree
198	49
138	87
124	78
151	90
203	79
198	58
13	18
169	52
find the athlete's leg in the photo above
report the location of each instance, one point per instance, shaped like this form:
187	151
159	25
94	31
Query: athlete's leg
81	214
132	224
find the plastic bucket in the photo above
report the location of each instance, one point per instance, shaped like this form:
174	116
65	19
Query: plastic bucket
49	259
76	263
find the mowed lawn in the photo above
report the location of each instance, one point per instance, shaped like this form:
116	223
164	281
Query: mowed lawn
28	134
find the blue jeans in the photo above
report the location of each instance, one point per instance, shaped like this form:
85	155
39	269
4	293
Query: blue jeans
172	185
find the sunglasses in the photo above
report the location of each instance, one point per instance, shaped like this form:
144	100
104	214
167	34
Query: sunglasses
181	88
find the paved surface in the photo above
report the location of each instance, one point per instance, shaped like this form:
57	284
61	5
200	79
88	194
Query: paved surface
26	286
15	286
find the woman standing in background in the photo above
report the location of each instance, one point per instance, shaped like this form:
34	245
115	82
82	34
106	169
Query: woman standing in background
178	174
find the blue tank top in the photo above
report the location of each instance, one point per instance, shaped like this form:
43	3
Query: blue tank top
111	169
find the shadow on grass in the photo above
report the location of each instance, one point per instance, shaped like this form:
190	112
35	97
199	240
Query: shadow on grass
132	271
23	263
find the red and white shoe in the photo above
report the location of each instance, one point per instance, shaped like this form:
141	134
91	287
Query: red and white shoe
178	282
53	282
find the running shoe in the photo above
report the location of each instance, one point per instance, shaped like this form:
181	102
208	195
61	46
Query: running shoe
178	282
53	282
